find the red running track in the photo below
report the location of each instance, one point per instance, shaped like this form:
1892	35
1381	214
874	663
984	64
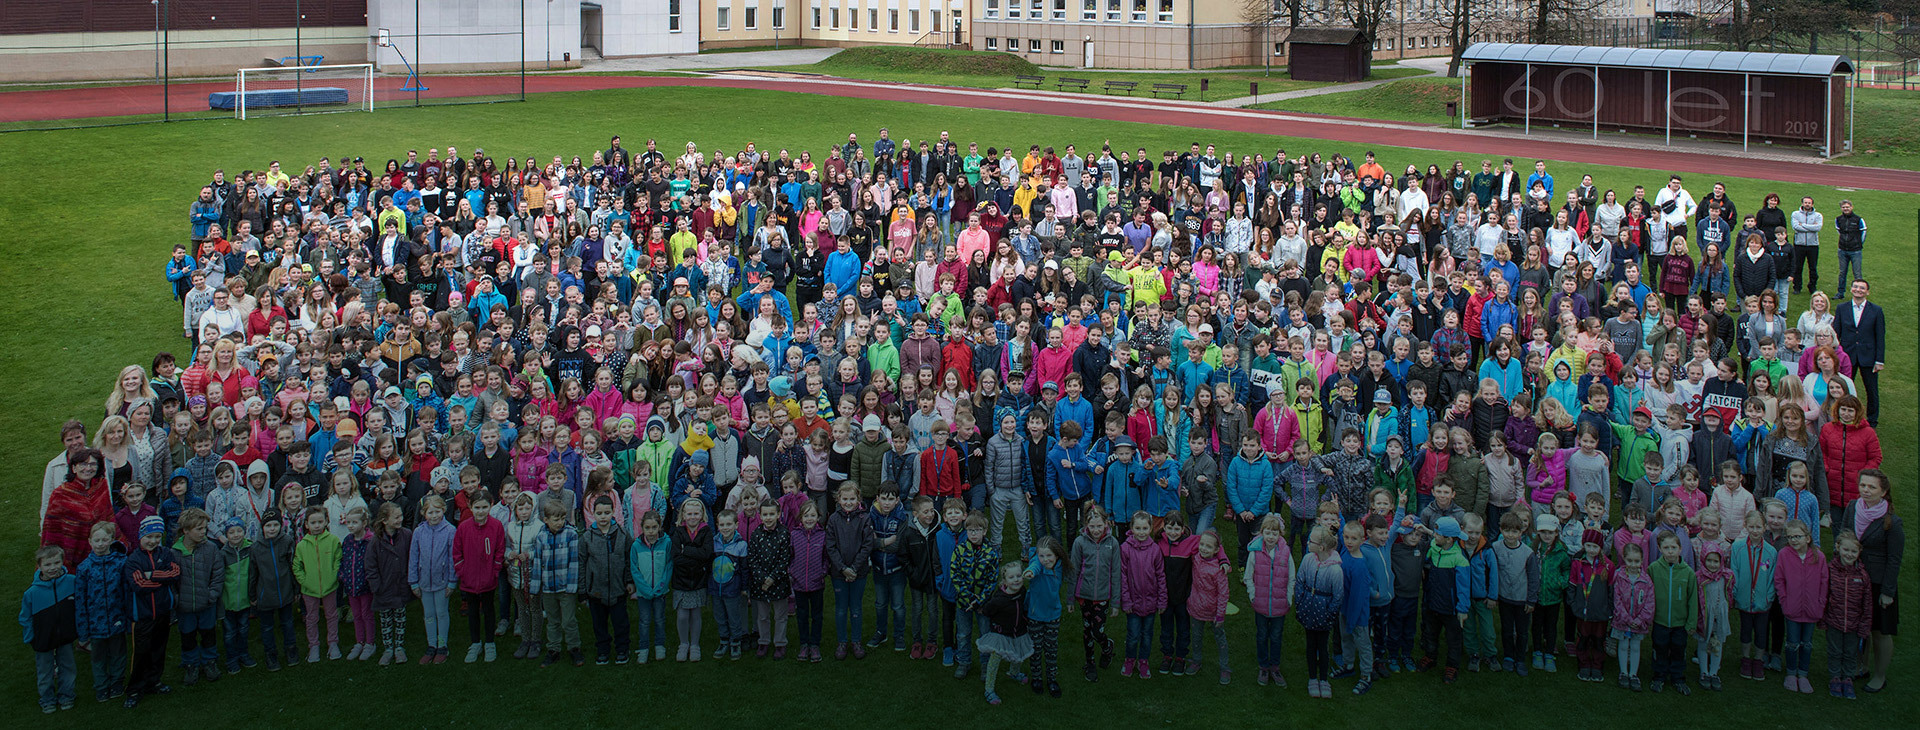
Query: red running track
21	106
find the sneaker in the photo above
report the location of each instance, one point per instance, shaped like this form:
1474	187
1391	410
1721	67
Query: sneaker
840	651
1506	665
1539	659
293	658
813	654
1106	654
779	652
620	658
642	655
1144	670
1682	687
878	639
579	660
1806	687
1166	665
859	652
1279	679
1624	682
1473	664
1773	663
1634	683
693	652
1343	673
992	699
427	658
1226	676
132	701
189	678
473	652
210	673
1264	677
600	660
47	709
1363	686
1193	668
246	660
1547	664
552	658
491	653
1053	689
1036	685
1425	663
500	629
760	652
1659	685
1567	648
1846	690
386	657
946	656
313	655
1126	668
1451	675
1093	675
960	671
400	655
899	646
333	651
440	655
1520	669
681	655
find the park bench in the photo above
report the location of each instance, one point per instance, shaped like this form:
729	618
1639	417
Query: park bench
1126	86
1063	82
1025	81
1174	89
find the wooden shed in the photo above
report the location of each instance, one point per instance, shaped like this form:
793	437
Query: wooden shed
1327	54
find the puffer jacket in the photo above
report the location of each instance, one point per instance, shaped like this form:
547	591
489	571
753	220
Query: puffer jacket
808	570
769	552
919	551
1846	448
1143	584
1269	577
203	576
1094	567
479	552
101	603
603	564
316	564
1207	598
272	586
1800	581
1006	464
729	558
1249	485
651	566
1849	599
849	542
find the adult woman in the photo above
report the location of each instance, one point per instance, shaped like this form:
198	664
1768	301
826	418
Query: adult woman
1826	382
1848	444
147	445
1766	323
1883	542
1824	338
111	442
79	502
1819	315
131	387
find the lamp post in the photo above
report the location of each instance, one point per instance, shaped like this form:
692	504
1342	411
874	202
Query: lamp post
156	40
548	42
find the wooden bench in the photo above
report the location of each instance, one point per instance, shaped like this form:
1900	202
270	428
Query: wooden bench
1175	89
1063	82
1126	86
1029	81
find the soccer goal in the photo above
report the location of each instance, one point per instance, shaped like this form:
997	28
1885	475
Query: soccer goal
297	90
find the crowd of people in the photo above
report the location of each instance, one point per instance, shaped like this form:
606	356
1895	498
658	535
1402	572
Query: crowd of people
1443	419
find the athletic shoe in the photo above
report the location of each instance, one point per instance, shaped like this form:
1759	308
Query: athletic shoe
1659	686
878	639
492	652
1343	673
400	655
552	658
1193	668
1846	690
1450	676
386	658
1634	682
1538	660
1683	688
1548	664
1053	689
1473	664
946	656
313	655
1264	677
620	658
682	654
859	652
579	660
188	678
333	651
1226	676
427	658
840	650
992	699
1145	671
440	656
473	653
1126	668
1035	685
659	651
1093	675
601	660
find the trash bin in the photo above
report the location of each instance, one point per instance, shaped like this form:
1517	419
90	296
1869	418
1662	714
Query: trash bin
1453	109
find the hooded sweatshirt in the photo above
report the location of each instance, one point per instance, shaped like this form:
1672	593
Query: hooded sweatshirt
1143	586
1094	567
1801	583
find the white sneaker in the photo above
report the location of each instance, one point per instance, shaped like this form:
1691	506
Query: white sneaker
641	656
333	651
681	655
693	653
473	652
386	657
500	629
313	655
400	655
659	651
491	652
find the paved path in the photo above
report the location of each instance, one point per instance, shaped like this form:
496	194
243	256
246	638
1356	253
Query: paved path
714	61
1425	64
1715	160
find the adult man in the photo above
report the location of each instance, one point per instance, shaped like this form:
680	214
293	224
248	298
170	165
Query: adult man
1862	329
1853	237
1675	206
1807	223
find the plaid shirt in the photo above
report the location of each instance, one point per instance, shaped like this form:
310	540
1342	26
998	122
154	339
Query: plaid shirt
556	562
1448	341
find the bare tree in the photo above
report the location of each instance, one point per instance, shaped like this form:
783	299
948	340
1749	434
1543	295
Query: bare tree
1366	16
1560	21
1458	17
1260	18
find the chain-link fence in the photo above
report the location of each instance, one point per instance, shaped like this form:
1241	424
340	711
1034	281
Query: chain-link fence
105	62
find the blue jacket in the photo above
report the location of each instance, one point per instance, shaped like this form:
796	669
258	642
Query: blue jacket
1448	587
1494	313
843	271
1121	487
1380	567
101	610
430	558
945	542
1158	501
887	561
1484	575
652	566
1043	589
1236	377
1512	378
1249	485
48	610
729	560
1074	483
154	574
1357	579
1077	410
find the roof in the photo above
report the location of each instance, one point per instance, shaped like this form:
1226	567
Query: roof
1775	64
1328	36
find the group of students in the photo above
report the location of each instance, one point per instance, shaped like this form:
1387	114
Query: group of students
394	399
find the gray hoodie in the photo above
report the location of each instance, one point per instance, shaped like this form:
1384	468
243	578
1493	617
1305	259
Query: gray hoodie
1094	568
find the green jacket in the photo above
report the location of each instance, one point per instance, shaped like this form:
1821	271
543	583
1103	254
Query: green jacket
1674	595
884	357
865	470
1555	567
239	568
659	455
1399	481
1631	464
316	564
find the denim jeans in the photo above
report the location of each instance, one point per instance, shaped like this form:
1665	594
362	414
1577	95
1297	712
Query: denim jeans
730	617
54	670
109	662
847	597
653	623
1356	648
890	602
276	632
1139	636
1799	647
1267	634
967	626
924	609
1176	631
434	616
196	637
1203	520
1849	259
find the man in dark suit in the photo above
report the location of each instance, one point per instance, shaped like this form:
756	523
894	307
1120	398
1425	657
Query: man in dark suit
1862	329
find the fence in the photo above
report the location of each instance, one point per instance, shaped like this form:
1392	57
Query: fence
1885	52
108	62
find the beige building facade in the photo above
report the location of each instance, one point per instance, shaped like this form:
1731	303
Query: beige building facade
751	23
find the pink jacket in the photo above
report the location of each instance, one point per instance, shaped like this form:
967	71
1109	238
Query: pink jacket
605	404
479	552
1800	581
1850	599
1049	366
530	469
1633	601
1269	578
1143	577
1277	434
1208	599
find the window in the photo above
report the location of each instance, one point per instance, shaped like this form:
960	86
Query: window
816	17
1279	49
1139	10
1038	10
1059	47
1089	9
1013	45
913	22
1015	8
993	9
893	20
1389	44
779	15
753	15
673	16
873	19
1113	9
1033	46
1166	11
993	44
833	14
722	17
1059	9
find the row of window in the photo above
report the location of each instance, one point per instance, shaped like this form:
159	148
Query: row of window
1033	45
831	16
1134	10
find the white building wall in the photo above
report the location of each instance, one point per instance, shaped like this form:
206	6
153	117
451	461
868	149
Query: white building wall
477	33
641	27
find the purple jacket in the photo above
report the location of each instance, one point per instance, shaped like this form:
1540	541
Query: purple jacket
1801	584
809	567
1143	578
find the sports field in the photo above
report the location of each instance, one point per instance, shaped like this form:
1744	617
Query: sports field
91	215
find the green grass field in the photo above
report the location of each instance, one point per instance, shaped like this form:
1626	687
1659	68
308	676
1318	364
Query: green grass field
991	70
95	212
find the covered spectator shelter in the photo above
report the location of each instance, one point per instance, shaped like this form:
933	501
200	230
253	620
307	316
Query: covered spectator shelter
1757	98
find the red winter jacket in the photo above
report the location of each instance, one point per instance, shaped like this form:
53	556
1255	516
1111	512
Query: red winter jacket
1846	449
479	553
1849	599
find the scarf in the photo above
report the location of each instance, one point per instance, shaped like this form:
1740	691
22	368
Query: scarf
1864	515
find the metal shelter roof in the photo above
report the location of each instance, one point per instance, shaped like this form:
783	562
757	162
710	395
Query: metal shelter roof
1775	64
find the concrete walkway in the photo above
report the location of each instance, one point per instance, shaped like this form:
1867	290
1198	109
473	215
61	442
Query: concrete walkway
1246	101
706	62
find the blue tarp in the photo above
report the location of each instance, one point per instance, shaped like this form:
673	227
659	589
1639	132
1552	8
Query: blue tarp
309	96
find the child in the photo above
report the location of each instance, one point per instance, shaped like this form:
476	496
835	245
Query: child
1800	580
155	573
1096	579
889	520
606	581
1633	532
101	606
1207	601
522	526
971	568
1752	562
353	582
808	573
203	573
1318	591
1802	504
1849	613
1518	566
919	556
316	567
48	616
1732	501
389	560
1590	597
1043	577
1482	626
1356	606
1446	578
1554	560
1713	627
1633	611
1143	591
1007	639
1176	550
555	578
272	588
692	570
768	585
1673	521
724	586
1269	582
479	553
651	561
431	574
1676	613
849	557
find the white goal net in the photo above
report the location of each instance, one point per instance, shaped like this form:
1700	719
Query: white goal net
297	90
